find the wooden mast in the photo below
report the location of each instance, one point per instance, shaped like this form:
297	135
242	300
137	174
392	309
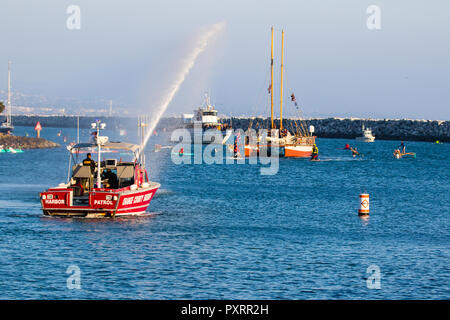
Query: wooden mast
281	82
8	103
271	82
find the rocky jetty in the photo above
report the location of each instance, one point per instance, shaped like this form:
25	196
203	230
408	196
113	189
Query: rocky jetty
350	128
383	129
16	142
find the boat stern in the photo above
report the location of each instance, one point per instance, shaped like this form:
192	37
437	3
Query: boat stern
56	199
98	202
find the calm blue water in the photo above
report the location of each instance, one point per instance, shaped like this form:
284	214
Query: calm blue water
225	231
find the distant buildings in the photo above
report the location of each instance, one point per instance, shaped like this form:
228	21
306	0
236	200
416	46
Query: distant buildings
27	104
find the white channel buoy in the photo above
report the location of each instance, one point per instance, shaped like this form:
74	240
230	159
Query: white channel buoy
364	204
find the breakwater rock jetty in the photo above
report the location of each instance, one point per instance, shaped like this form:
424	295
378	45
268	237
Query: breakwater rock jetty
350	128
17	142
347	128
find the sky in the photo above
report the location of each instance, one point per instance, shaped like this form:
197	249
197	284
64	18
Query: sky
130	51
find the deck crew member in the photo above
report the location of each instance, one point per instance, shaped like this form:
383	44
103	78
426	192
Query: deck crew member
77	187
111	177
89	162
402	147
315	153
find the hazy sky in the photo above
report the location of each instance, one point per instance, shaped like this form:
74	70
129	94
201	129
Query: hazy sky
129	51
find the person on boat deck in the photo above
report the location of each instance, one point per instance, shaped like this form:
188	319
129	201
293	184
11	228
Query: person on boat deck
78	187
402	147
89	162
236	148
111	177
315	153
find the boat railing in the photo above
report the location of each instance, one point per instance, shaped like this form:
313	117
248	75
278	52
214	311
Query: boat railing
304	140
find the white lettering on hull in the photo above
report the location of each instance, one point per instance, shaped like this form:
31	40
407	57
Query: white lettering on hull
103	202
54	201
137	199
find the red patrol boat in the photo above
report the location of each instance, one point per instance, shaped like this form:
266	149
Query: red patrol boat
121	188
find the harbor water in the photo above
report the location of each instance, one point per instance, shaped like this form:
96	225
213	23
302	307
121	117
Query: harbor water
227	232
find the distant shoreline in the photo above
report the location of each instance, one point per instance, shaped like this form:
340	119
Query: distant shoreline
345	128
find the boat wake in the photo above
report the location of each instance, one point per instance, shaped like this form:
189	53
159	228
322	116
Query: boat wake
163	193
341	159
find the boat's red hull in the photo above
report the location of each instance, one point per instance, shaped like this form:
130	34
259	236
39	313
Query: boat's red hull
298	151
99	202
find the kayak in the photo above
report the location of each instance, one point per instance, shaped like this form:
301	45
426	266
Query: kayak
183	154
402	155
11	150
412	154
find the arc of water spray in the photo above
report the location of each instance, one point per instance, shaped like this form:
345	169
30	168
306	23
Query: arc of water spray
200	45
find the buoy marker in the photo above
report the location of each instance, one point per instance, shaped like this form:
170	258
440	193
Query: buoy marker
364	204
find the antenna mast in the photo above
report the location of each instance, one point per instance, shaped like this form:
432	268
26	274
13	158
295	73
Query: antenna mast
142	133
271	81
8	103
78	128
281	84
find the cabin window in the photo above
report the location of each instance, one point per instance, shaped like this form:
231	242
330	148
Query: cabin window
125	174
126	182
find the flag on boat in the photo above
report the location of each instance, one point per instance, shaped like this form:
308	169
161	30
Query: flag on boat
293	99
237	137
